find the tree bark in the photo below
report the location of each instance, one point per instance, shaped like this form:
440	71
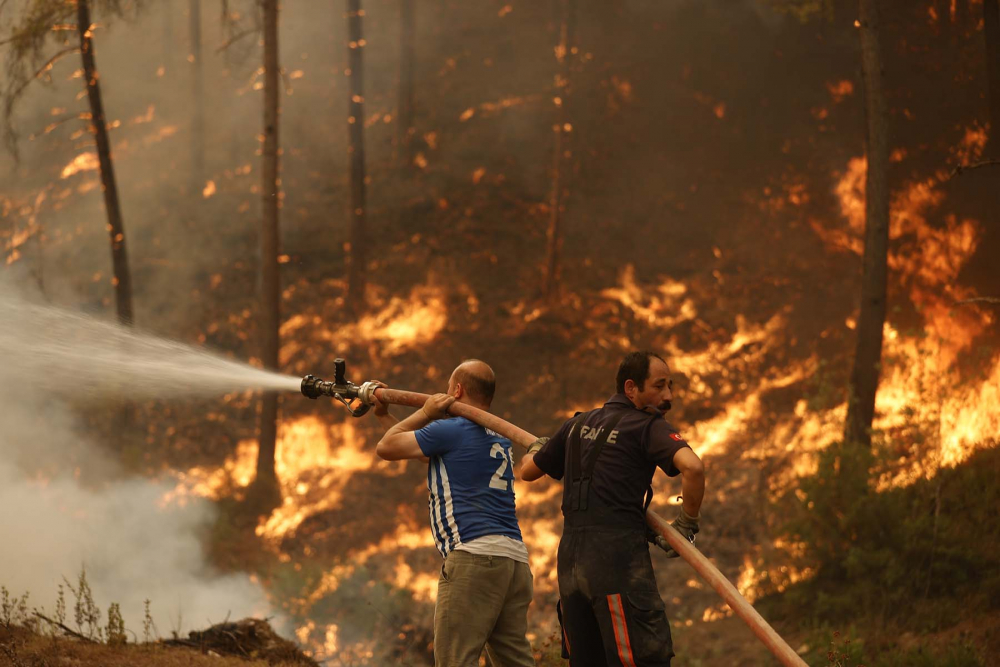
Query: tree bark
991	32
198	95
842	12
563	150
407	66
122	277
868	354
168	35
270	289
962	14
356	151
943	10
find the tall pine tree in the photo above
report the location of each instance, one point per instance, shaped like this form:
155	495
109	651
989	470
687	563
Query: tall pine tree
270	289
356	151
28	59
868	352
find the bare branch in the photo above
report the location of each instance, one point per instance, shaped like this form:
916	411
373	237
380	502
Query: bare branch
53	60
30	32
65	119
40	20
13	38
43	69
235	38
64	628
962	168
978	299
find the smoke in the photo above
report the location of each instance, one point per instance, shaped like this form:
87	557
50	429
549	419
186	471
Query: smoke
134	545
65	503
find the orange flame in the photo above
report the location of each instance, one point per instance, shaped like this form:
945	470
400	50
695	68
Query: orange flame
82	162
310	453
920	387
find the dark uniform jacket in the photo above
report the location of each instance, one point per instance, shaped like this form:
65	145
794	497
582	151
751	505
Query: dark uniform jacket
610	609
638	443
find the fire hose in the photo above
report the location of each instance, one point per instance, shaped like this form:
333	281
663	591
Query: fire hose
358	399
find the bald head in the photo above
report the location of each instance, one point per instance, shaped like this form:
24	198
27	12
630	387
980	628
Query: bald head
477	380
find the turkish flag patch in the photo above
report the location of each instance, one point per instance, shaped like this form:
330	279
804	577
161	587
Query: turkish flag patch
677	436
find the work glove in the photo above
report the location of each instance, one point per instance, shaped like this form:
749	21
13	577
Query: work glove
536	445
686	525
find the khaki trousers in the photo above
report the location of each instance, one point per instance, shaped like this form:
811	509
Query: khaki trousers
482	600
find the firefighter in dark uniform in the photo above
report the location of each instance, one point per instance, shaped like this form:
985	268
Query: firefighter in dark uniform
610	608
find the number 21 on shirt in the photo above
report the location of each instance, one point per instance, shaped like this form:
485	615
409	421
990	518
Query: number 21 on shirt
506	459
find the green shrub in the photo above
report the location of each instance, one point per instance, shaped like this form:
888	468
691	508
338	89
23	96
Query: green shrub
901	555
956	654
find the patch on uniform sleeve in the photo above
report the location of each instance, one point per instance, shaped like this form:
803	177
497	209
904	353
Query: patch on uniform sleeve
677	437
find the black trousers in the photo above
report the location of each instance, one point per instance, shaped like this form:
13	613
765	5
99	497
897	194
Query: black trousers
610	608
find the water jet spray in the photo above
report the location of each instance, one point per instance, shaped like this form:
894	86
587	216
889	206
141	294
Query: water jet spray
97	358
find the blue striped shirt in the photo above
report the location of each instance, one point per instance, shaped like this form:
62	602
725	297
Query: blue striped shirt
471	482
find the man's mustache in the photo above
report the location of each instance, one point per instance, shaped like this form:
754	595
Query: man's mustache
664	406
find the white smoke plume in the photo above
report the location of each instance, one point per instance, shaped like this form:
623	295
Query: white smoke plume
133	549
133	545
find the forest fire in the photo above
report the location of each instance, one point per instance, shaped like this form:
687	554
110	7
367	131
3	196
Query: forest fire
922	395
404	323
421	584
682	206
214	482
396	325
923	385
312	453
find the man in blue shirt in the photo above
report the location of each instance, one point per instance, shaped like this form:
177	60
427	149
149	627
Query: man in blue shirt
485	585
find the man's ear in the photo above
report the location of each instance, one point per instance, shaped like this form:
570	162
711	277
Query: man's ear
459	391
630	388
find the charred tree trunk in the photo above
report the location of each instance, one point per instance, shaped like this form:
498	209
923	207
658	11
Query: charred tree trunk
270	292
563	150
122	278
962	14
943	10
868	354
198	95
991	30
356	151
407	65
842	12
168	35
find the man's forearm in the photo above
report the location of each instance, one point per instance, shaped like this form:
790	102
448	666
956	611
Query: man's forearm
414	422
529	470
387	421
693	491
399	441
